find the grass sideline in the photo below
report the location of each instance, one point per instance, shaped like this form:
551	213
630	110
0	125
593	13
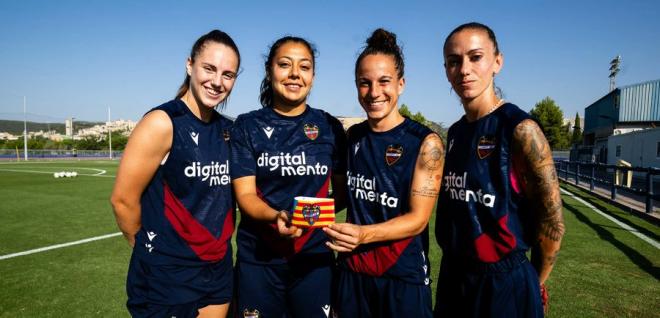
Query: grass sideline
602	270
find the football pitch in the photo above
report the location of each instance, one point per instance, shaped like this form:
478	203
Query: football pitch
603	270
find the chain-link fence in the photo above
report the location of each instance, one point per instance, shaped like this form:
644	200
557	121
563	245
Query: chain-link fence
19	154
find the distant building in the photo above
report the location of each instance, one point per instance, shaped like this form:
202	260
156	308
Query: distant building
101	131
623	110
68	127
7	136
571	123
639	148
347	122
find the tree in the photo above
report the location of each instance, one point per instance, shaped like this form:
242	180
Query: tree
88	143
119	141
551	118
418	117
576	139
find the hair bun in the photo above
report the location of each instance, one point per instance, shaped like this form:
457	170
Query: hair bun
383	40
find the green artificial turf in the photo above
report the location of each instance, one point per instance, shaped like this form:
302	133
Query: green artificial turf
602	270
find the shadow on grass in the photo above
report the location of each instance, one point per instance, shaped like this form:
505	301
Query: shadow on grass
599	204
638	259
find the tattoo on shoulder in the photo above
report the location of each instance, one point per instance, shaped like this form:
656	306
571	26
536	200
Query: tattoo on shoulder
432	153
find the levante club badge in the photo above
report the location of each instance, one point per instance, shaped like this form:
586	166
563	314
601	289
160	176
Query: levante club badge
251	313
313	212
311	131
393	154
486	146
225	135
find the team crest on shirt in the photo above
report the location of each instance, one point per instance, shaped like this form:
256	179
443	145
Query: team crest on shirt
311	213
486	146
311	131
393	154
225	135
251	313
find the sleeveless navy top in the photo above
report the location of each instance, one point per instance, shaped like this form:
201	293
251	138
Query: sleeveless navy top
380	172
188	206
481	213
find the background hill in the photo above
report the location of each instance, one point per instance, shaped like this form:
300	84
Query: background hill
15	127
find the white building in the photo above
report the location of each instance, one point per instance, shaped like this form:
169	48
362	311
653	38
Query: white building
640	148
7	136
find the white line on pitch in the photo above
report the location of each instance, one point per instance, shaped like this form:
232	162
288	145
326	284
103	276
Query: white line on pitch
100	174
52	247
619	223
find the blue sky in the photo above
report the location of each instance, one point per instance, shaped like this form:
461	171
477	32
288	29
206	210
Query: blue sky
77	58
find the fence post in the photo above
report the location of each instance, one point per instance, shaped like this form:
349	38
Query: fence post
613	190
577	174
568	167
593	175
649	190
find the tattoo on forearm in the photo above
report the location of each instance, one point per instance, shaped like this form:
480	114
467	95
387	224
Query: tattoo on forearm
541	180
425	192
554	230
551	259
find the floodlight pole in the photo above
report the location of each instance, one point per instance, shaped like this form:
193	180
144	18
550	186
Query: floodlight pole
25	127
109	134
614	70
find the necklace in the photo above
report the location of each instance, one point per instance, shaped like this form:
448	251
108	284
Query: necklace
498	104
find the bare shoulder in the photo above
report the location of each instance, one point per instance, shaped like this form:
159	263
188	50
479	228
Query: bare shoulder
156	122
527	129
530	143
151	136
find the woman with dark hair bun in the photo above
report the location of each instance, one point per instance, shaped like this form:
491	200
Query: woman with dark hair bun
285	150
500	194
394	171
173	198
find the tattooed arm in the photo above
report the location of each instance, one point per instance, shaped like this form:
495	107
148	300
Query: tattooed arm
423	194
532	158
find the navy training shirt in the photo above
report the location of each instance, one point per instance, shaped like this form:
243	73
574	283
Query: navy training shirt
188	206
289	156
380	172
481	213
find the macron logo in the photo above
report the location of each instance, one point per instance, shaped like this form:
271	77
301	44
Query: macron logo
151	235
451	144
326	310
195	137
269	131
357	146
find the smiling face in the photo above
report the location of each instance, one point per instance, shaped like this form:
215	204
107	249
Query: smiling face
292	75
471	63
379	86
212	74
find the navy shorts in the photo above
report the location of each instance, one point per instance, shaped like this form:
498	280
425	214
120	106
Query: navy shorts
509	288
177	290
301	288
359	295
